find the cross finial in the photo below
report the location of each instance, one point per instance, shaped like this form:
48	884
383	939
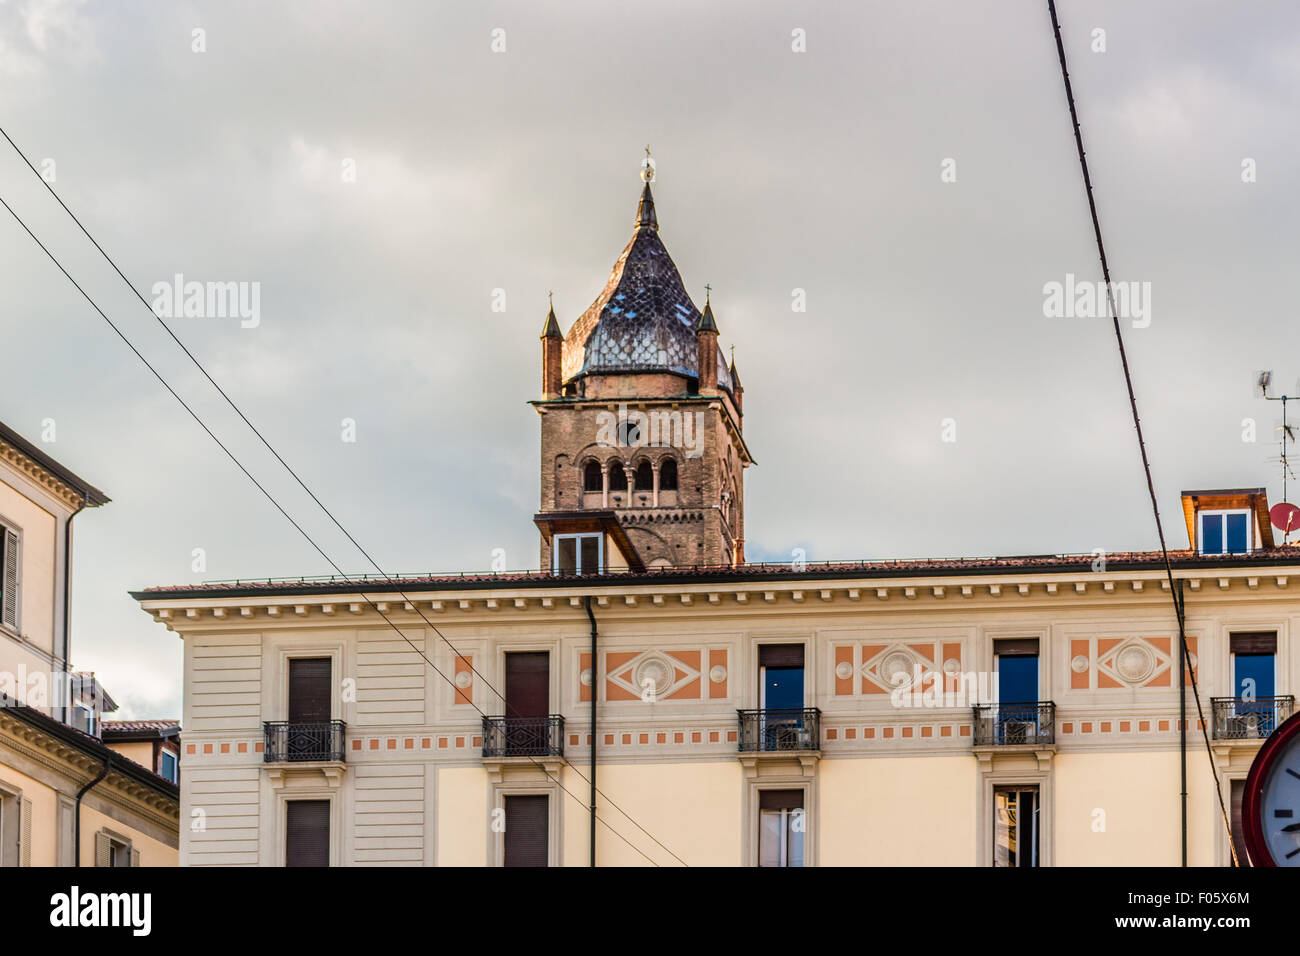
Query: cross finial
733	356
648	167
708	290
550	298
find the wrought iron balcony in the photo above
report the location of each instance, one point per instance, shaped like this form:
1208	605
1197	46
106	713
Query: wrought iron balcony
291	742
1242	718
1009	725
523	736
781	730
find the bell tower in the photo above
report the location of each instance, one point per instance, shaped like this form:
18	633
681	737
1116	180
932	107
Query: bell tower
642	451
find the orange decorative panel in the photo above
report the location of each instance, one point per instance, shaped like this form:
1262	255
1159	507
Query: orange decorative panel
584	690
464	684
653	675
718	668
1079	680
844	665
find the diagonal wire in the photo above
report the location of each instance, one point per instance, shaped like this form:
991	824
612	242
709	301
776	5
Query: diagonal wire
1137	424
238	411
279	508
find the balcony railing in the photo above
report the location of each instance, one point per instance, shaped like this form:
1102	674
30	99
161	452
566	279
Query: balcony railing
1007	725
780	730
1241	718
289	742
523	736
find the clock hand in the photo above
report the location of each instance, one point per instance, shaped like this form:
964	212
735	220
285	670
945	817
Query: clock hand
1291	828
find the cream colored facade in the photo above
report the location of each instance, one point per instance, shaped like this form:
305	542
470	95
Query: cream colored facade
886	785
129	816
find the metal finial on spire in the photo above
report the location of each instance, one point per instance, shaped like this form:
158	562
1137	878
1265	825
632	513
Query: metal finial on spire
648	167
708	290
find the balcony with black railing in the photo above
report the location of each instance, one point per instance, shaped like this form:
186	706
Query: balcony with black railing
523	736
780	730
1010	725
1248	718
294	742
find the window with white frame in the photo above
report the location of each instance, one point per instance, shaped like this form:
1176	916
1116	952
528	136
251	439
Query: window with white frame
1225	532
781	827
578	554
10	567
168	767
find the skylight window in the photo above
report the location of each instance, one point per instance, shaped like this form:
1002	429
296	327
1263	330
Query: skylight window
1225	532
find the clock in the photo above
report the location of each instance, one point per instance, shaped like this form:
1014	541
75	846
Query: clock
1270	806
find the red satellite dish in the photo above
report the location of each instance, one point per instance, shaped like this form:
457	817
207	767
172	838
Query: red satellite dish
1285	517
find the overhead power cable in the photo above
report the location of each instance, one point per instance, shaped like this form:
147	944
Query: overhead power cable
286	515
1137	425
302	484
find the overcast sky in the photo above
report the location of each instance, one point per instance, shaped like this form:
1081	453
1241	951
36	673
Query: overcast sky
518	170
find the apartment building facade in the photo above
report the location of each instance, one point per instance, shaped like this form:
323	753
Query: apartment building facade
1017	711
66	797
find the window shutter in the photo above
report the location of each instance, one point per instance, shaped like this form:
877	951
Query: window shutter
1261	642
1018	647
780	655
780	799
25	833
135	857
527	839
528	684
310	690
307	833
10	609
103	849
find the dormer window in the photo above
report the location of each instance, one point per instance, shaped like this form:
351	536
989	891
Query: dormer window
578	554
1225	532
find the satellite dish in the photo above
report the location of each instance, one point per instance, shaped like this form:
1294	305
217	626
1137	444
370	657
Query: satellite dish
1285	517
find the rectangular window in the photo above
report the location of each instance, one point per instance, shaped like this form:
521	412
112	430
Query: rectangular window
9	570
579	554
1015	826
310	690
781	827
83	718
168	767
1225	532
307	833
780	676
528	684
1017	670
527	834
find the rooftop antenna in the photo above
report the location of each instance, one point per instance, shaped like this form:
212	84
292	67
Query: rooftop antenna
1286	433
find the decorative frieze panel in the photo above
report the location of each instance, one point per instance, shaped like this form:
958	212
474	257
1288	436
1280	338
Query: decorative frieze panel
876	667
1107	663
654	675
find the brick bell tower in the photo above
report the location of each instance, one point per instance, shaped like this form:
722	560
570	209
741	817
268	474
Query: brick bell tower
643	457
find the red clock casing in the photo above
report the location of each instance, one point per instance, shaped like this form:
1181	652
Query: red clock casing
1252	799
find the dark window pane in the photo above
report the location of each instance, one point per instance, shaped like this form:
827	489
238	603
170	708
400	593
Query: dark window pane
590	554
645	477
668	475
1253	676
1212	534
307	833
617	478
566	555
310	690
528	684
526	836
1017	679
1238	533
591	480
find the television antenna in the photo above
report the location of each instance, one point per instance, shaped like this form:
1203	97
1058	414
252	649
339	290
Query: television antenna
1286	433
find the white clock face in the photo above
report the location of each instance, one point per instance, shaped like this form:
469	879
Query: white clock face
1279	813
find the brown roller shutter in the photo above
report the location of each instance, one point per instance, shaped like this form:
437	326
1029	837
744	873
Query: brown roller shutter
528	684
10	567
780	799
1238	835
307	833
526	830
780	655
1255	642
309	690
1016	647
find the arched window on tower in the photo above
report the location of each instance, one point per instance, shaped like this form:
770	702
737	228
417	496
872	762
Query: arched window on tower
591	476
617	479
645	476
668	475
